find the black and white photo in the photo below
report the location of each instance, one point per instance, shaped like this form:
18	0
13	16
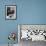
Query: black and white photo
10	12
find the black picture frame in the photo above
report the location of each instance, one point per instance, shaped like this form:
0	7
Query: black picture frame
10	12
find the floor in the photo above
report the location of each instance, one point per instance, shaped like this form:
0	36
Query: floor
7	45
30	43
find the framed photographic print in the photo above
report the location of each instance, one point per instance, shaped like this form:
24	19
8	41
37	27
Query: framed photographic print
10	12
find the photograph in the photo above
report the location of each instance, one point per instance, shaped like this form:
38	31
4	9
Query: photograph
10	12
